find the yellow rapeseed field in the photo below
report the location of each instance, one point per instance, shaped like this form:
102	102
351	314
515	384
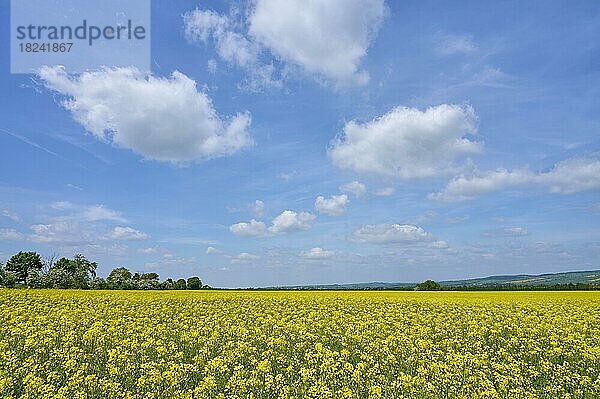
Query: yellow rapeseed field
219	344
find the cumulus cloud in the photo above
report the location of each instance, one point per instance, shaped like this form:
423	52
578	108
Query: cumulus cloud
356	188
287	222
567	177
127	233
252	228
330	38
328	41
244	257
164	119
333	206
407	143
389	234
290	221
317	253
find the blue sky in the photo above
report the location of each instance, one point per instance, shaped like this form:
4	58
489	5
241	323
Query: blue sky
339	141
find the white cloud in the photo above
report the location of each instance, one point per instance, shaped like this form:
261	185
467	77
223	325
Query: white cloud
407	143
290	221
165	119
317	253
11	215
389	233
60	232
100	212
10	235
324	38
257	208
252	228
356	188
87	213
202	25
245	257
127	233
233	47
567	177
287	222
385	192
212	251
334	206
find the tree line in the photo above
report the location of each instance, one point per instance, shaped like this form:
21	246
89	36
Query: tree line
29	269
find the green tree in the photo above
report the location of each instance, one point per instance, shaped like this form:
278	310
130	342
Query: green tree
23	263
194	283
7	279
428	285
36	280
98	283
71	273
180	284
148	281
84	267
119	279
60	274
168	284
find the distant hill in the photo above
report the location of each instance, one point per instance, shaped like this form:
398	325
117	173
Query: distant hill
582	277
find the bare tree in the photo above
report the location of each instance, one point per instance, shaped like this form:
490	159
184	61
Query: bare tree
48	262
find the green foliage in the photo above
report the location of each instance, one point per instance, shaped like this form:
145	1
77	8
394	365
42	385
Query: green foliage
428	285
120	279
30	270
98	283
148	281
194	283
180	284
168	284
36	280
24	263
7	278
70	273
